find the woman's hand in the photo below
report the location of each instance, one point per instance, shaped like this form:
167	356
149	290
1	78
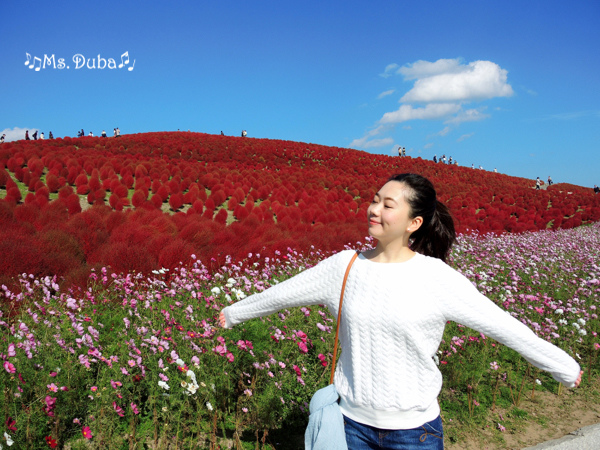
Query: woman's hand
223	322
578	379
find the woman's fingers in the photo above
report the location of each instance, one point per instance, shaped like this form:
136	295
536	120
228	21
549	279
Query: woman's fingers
578	379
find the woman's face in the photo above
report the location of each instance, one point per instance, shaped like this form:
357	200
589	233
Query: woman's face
389	213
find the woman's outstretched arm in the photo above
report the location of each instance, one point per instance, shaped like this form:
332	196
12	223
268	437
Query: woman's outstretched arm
320	284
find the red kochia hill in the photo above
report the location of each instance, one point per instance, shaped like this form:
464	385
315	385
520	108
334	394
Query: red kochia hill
146	201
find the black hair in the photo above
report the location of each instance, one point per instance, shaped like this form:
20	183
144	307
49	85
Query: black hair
437	233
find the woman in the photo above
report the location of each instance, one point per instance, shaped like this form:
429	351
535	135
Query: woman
398	299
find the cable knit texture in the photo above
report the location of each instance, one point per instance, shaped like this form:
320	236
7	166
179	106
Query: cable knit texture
393	319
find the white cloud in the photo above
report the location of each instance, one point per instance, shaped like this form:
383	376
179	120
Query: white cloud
431	111
440	90
365	143
450	82
444	132
389	70
429	145
465	136
425	69
470	115
386	93
16	133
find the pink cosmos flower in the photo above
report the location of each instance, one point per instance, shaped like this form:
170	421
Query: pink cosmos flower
297	369
87	433
9	367
115	384
50	403
303	348
134	408
52	387
11	350
220	349
118	409
302	335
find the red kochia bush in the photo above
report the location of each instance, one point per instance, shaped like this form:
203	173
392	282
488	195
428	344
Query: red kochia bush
176	201
138	198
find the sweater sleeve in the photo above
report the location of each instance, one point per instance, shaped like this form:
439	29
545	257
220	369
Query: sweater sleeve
320	284
471	308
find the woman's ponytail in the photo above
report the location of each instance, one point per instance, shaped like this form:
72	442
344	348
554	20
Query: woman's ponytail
437	234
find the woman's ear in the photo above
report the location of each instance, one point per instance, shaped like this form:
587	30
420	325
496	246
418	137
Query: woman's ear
415	224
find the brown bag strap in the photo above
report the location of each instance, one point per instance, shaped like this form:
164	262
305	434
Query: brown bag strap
337	328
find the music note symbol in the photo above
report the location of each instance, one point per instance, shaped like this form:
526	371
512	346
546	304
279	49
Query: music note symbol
124	61
132	66
39	66
28	58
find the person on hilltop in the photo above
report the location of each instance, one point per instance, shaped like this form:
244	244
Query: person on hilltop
2	138
398	299
50	136
538	183
403	151
435	158
27	135
596	189
103	133
400	151
34	135
550	182
118	131
42	135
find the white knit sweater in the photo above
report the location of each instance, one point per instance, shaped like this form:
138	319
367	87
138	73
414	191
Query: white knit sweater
393	318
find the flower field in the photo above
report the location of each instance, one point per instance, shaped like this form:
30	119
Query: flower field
139	360
149	201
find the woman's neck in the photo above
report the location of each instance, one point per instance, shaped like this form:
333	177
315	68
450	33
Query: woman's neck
389	253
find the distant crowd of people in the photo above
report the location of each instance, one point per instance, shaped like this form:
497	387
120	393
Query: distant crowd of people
80	133
450	161
116	133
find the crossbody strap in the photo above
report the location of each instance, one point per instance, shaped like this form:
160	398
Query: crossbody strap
339	318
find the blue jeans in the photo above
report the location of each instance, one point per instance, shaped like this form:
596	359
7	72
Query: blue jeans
428	436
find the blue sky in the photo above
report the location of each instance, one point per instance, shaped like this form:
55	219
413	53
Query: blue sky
510	85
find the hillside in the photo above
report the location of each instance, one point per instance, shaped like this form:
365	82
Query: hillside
146	201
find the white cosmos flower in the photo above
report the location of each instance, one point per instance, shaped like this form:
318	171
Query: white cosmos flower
9	440
209	406
559	311
215	290
163	385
